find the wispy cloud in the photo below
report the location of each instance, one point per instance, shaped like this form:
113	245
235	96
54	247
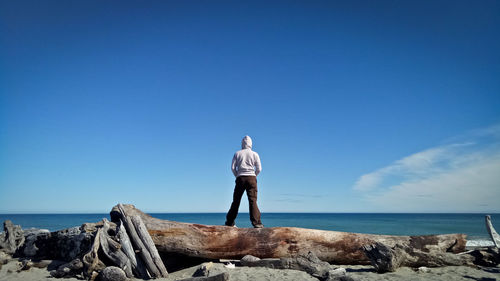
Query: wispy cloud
460	176
474	188
420	164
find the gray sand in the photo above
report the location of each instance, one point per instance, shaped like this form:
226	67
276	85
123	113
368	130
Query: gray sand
8	272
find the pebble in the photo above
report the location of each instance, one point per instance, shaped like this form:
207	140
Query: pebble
423	269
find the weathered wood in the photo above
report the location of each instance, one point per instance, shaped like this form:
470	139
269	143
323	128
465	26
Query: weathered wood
308	263
70	269
112	250
11	238
386	258
489	256
491	230
222	242
66	244
149	244
137	243
91	262
138	267
126	244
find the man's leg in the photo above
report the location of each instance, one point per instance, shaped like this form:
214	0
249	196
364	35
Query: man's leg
233	211
251	187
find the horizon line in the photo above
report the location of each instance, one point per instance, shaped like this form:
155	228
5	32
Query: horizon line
99	213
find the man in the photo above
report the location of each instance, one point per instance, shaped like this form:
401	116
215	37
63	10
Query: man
245	166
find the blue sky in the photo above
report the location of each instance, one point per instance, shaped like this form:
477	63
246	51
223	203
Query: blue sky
353	106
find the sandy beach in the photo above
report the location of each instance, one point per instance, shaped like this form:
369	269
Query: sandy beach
358	272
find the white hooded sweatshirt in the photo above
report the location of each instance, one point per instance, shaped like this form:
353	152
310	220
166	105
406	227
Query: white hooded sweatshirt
245	161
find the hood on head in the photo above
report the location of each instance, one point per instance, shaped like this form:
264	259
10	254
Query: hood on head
246	142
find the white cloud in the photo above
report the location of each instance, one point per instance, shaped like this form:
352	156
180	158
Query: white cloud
448	178
368	181
422	163
474	188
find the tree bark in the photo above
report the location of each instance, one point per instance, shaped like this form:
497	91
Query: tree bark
223	242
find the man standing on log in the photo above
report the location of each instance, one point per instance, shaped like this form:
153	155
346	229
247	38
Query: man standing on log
245	166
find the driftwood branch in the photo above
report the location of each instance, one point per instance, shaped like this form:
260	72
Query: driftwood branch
126	244
112	249
491	230
138	267
138	237
149	244
309	263
138	245
91	262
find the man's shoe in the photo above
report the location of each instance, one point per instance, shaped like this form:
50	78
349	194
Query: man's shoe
232	225
258	225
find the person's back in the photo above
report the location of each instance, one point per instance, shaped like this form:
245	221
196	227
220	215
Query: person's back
245	166
245	161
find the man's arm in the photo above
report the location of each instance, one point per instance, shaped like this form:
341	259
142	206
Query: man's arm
258	166
233	166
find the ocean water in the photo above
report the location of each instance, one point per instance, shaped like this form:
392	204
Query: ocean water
392	224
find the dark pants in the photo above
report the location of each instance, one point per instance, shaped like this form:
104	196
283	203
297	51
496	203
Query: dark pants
248	183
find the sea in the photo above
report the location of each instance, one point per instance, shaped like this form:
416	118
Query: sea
384	223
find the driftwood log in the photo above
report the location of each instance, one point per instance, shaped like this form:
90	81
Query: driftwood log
308	263
65	245
88	249
385	258
142	242
388	258
149	244
223	242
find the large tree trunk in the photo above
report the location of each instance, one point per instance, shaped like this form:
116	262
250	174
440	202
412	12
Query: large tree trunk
223	242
